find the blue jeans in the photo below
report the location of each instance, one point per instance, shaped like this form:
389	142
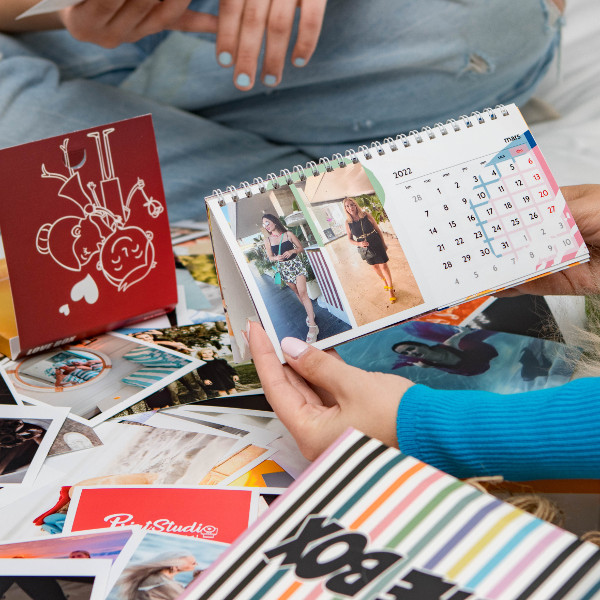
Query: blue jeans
381	68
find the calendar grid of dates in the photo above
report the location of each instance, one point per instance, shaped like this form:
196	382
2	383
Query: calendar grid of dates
490	216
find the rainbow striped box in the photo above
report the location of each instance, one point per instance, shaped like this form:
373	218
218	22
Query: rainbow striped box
368	522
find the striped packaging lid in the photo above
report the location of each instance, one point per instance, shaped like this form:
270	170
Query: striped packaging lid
366	521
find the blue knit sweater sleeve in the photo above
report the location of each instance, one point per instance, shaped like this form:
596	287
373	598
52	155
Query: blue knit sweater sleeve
544	434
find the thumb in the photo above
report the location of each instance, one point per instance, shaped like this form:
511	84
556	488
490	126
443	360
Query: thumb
321	369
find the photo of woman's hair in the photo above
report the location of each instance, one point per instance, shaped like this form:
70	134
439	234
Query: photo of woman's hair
154	579
364	233
472	357
283	249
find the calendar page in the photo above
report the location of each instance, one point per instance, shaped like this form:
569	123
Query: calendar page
477	209
387	233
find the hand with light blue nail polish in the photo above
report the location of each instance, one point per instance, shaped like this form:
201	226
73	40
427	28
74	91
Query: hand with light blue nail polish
244	25
225	59
242	80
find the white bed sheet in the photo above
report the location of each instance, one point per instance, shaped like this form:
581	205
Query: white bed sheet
571	144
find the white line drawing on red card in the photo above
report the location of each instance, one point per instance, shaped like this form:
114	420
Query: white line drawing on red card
100	227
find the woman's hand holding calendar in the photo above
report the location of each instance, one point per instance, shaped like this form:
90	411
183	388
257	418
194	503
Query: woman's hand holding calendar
584	203
317	396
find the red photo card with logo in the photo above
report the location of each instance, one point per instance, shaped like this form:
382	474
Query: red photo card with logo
86	236
219	514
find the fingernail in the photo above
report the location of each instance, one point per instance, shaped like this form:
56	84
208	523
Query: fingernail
246	332
299	62
270	80
225	59
294	347
243	80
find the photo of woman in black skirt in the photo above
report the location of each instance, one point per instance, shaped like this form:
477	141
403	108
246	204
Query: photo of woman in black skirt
364	233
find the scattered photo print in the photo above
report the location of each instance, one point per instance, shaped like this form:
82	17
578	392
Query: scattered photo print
98	377
53	579
168	563
217	375
130	455
184	231
74	436
285	465
165	456
26	435
201	267
460	314
7	395
215	514
98	544
449	357
523	315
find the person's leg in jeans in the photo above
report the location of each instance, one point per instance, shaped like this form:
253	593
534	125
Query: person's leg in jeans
38	100
380	68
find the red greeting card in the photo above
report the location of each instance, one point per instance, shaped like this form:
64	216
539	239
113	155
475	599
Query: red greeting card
86	236
205	513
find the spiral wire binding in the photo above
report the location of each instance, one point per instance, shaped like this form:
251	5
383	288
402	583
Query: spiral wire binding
491	113
219	195
478	116
260	183
287	175
340	160
391	144
325	161
351	154
365	151
466	120
402	137
416	135
299	170
378	148
245	187
442	128
272	177
233	192
402	140
429	131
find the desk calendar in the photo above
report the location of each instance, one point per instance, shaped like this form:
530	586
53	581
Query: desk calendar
451	212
